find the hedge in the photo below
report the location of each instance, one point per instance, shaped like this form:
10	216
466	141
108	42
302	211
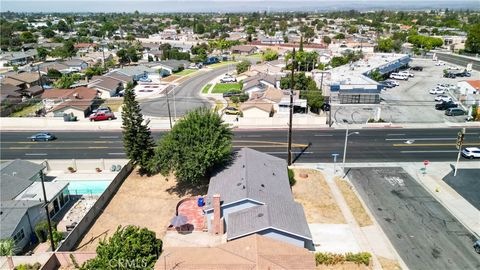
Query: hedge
328	258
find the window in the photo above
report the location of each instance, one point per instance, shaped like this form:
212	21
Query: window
19	236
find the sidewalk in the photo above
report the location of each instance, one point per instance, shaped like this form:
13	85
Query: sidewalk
163	123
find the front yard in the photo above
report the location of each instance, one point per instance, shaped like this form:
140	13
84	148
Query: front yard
221	88
186	72
28	110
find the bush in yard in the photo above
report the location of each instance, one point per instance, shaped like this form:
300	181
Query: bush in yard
291	177
35	266
7	247
41	230
327	258
194	147
358	258
129	247
243	66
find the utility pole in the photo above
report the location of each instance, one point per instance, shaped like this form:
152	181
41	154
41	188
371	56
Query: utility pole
168	107
48	214
292	86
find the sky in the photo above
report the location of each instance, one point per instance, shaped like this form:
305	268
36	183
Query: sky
169	6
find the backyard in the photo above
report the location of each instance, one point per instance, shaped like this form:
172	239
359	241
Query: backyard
142	201
221	88
316	198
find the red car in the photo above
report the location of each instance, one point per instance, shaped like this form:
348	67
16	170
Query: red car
100	116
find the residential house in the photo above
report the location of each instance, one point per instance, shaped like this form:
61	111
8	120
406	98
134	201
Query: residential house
243	49
107	86
469	92
85	47
22	201
251	252
79	101
169	67
65	67
138	73
10	94
257	108
252	195
155	55
17	58
23	80
271	68
92	58
260	83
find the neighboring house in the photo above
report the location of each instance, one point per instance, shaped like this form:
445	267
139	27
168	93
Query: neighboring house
107	86
138	73
93	58
10	94
22	201
469	92
76	64
23	80
65	67
256	108
260	83
155	54
79	101
243	49
270	68
169	67
251	252
253	196
85	47
17	58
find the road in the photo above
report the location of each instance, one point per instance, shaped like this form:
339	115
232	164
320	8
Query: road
184	97
370	145
422	231
459	60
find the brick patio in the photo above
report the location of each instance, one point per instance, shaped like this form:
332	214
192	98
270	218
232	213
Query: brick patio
190	209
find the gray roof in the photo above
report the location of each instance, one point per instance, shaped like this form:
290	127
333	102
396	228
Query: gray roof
285	215
259	79
11	214
15	177
252	175
172	64
136	70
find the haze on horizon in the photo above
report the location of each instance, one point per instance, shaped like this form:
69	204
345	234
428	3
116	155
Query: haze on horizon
170	6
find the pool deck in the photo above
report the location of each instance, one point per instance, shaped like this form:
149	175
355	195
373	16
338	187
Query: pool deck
82	175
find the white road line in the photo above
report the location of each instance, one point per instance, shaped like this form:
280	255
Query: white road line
297	152
116	154
396	134
253	136
472	133
429	151
323	135
35	154
108	137
422	139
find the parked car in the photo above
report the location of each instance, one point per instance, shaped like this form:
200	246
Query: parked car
436	91
440	63
463	74
443	98
407	73
398	76
393	82
43	136
231	110
102	109
228	79
472	152
445	106
417	68
386	84
100	116
454	112
449	75
231	94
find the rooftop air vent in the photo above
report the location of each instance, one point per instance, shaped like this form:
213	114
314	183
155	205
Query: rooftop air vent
260	215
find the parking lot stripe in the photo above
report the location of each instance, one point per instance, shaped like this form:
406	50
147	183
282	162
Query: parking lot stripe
35	154
428	151
421	139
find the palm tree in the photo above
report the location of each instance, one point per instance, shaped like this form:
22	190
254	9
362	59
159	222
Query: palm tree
7	247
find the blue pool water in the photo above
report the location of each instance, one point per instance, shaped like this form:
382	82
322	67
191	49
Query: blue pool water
87	187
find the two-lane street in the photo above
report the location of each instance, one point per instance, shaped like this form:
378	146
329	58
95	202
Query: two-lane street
369	145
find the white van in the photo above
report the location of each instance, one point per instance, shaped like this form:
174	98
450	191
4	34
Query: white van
398	76
407	73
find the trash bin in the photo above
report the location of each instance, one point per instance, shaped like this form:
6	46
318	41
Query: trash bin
200	202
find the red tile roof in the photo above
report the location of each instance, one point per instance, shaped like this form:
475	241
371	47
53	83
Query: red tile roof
474	83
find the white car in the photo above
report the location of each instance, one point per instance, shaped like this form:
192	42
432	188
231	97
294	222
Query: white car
393	82
443	98
398	76
436	91
439	63
407	73
471	152
228	79
454	68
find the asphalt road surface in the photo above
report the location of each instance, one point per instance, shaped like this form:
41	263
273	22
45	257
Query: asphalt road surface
184	97
459	60
467	184
369	145
422	231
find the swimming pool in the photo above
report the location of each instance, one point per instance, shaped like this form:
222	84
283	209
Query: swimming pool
87	187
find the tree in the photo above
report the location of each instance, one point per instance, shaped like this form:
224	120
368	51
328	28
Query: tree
376	75
195	146
243	66
27	37
67	80
385	45
53	74
137	137
48	33
270	55
314	96
340	36
327	40
7	247
62	26
472	44
129	247
42	53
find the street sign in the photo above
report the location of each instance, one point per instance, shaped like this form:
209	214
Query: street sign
426	162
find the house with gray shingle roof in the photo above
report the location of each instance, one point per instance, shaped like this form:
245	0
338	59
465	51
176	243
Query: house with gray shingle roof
253	196
22	202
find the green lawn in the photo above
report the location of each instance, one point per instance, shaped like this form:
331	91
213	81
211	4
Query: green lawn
205	88
221	88
186	72
221	64
28	111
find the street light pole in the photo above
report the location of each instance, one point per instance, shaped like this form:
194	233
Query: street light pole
52	243
346	142
292	85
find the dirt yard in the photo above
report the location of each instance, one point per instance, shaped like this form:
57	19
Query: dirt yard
315	196
358	211
141	201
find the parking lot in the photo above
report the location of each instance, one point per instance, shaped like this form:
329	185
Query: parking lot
422	231
466	184
410	102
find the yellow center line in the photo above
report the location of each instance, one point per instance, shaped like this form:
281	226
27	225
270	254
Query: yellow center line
432	144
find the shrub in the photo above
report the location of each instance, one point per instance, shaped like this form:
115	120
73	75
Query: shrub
291	177
359	258
35	266
41	230
327	258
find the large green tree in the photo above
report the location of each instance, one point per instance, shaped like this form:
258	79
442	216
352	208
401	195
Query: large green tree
129	248
472	44
137	137
243	66
194	147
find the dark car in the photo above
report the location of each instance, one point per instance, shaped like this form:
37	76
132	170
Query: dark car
445	105
454	112
386	84
44	136
476	246
417	68
463	74
325	107
449	75
231	94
